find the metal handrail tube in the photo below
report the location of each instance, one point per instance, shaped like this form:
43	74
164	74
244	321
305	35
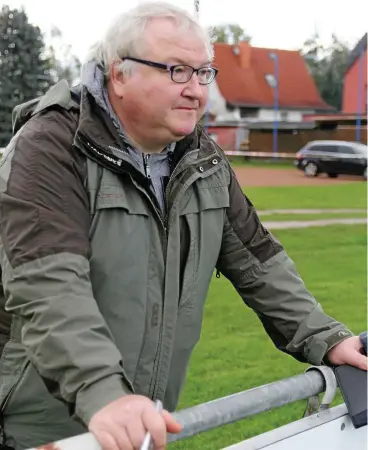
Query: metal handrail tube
225	410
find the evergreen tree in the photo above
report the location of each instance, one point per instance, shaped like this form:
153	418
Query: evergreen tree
327	64
25	71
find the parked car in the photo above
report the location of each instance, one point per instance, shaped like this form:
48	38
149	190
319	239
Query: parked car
333	158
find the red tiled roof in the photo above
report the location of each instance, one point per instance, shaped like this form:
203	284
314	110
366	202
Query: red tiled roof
241	78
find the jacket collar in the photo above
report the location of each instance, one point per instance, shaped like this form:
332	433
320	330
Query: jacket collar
96	126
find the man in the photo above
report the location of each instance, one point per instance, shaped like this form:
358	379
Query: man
116	207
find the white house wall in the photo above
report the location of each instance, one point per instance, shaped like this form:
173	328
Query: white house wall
217	106
268	115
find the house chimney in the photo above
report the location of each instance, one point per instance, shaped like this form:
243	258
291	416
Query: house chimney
243	52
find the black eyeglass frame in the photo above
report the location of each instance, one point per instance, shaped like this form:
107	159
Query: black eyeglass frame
171	69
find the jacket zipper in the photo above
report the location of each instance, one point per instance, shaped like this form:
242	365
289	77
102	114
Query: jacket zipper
158	356
7	400
13	388
159	346
163	217
146	165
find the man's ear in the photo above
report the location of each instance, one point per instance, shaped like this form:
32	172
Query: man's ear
117	79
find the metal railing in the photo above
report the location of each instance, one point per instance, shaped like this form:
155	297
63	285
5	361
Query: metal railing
232	408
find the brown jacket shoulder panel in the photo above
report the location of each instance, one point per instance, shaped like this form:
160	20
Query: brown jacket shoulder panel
44	209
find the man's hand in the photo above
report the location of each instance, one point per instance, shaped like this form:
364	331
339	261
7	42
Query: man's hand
349	351
122	424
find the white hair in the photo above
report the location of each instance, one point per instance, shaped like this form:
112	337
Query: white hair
126	35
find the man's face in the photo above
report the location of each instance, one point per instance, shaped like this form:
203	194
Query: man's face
162	109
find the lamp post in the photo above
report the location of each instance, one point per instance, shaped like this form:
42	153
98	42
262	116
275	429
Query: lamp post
207	115
360	94
196	8
275	59
207	110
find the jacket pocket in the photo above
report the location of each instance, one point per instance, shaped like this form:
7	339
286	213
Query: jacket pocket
115	199
203	198
203	217
118	197
108	190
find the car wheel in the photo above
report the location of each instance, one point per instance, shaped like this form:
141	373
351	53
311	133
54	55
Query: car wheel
332	175
311	169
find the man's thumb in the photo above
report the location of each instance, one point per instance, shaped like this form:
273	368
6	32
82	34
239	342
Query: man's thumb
172	426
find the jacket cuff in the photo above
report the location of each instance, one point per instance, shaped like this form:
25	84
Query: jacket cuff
318	348
98	395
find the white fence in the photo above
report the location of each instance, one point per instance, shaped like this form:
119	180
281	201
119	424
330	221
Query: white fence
268	155
264	155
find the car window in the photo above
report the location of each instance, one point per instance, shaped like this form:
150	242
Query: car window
345	149
316	148
325	148
330	148
312	148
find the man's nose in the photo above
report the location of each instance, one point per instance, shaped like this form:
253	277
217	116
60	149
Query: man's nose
194	89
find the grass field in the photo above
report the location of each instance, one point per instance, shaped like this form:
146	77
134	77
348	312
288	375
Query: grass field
266	163
235	353
349	195
284	217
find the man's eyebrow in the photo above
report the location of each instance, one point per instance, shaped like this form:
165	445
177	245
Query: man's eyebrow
176	60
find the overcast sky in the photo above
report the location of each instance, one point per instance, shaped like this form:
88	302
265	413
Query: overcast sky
271	23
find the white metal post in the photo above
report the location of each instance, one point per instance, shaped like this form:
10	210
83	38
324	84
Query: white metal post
196	8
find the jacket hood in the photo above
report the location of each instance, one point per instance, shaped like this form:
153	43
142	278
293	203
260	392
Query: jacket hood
58	95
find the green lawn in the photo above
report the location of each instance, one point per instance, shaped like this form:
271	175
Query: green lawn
235	353
347	195
284	217
265	163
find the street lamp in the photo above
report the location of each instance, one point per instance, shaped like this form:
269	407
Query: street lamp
360	94
275	58
207	115
196	8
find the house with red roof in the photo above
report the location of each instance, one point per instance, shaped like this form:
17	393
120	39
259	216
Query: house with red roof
243	93
355	80
246	82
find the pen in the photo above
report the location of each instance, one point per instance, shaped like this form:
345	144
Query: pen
147	440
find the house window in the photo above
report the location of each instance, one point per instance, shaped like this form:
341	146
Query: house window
283	116
248	112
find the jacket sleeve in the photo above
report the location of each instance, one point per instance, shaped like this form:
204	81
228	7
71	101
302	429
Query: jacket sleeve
45	250
267	280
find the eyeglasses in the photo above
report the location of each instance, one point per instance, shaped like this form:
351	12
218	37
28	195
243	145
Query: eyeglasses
181	73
